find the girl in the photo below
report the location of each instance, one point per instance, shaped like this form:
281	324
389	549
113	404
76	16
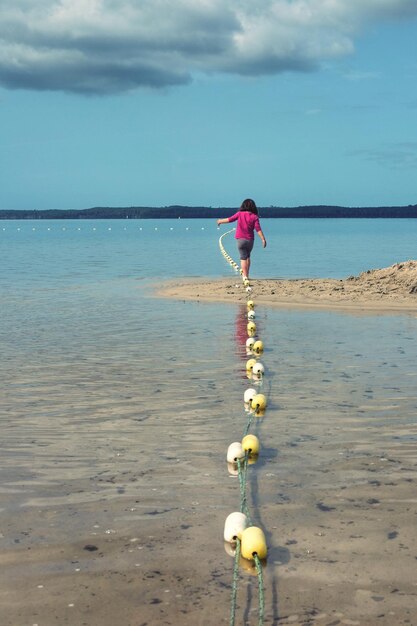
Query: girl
247	222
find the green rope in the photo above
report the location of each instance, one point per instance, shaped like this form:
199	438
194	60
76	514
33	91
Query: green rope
235	583
242	473
242	483
261	589
248	425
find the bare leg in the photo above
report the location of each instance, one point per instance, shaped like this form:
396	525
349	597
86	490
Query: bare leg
244	264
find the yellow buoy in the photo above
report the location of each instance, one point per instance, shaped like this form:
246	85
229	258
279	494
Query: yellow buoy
258	347
249	364
253	542
250	443
251	328
250	304
258	402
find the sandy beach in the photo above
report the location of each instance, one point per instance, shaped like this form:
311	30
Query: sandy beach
114	484
389	289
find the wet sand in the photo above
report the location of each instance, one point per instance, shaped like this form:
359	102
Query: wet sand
114	486
389	289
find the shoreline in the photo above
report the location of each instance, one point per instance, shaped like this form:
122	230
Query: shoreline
391	290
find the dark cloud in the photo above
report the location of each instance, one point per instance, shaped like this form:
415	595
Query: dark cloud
109	46
90	79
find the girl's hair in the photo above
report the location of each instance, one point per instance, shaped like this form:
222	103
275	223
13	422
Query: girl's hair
249	205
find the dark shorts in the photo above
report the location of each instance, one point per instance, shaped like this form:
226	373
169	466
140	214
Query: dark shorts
245	248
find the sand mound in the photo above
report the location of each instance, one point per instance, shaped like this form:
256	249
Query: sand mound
393	287
400	277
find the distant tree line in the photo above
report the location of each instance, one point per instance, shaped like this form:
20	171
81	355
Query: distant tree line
187	212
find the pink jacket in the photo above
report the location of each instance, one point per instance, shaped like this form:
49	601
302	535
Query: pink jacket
247	222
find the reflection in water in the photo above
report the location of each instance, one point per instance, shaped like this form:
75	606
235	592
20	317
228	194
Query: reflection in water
229	548
241	333
248	566
93	443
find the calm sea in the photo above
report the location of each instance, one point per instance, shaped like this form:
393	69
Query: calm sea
117	407
74	252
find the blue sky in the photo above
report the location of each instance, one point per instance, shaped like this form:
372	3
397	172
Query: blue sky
205	102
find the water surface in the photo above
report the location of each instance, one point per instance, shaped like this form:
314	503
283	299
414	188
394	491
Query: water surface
117	410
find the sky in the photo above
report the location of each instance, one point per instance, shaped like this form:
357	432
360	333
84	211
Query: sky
207	102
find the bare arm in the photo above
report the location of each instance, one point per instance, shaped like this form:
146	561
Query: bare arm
261	235
225	220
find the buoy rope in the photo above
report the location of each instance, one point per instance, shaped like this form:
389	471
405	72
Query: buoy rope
235	583
242	474
261	589
242	467
248	425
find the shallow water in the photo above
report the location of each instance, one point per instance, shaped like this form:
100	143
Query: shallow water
117	412
84	251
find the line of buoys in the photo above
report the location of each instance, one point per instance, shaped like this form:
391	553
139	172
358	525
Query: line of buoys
109	228
243	540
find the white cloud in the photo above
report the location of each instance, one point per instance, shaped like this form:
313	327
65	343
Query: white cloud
107	46
355	76
398	156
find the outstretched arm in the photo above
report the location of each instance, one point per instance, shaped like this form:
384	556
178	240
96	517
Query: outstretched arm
225	220
261	235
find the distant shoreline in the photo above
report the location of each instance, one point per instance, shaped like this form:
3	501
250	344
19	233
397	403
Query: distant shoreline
189	212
